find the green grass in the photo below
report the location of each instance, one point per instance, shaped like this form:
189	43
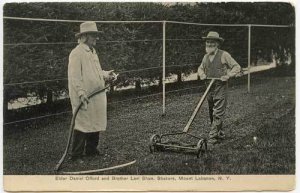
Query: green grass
267	113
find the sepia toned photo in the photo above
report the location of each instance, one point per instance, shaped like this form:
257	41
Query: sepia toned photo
149	96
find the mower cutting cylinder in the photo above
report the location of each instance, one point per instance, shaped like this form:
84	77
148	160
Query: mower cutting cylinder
157	144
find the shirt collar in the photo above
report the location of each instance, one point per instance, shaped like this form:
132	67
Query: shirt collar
86	47
215	52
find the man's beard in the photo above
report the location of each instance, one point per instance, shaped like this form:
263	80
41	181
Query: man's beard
210	50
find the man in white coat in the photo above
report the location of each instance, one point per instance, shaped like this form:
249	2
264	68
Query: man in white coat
85	75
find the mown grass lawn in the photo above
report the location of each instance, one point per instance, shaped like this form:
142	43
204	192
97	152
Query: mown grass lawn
268	114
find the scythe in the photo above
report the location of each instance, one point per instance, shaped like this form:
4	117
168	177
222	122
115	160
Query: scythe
71	130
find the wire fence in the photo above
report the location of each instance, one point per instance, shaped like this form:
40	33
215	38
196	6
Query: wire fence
110	103
168	65
112	41
128	22
121	72
163	66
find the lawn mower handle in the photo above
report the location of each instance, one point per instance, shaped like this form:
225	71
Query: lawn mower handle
186	128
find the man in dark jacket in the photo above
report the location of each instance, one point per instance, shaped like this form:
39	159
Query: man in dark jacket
218	64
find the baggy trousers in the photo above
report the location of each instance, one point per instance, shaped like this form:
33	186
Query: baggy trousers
87	141
217	102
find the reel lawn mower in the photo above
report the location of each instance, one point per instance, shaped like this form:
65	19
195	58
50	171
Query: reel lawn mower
161	143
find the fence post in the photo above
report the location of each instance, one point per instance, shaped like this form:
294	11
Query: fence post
249	56
164	68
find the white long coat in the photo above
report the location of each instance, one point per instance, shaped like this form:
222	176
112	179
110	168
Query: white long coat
85	75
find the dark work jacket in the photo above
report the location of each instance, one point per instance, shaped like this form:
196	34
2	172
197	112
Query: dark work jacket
216	69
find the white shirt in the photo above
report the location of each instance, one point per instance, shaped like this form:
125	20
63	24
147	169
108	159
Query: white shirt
234	67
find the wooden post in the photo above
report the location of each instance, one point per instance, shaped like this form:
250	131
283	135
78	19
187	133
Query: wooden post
249	57
164	68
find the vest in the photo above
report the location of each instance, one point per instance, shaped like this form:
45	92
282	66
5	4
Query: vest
214	69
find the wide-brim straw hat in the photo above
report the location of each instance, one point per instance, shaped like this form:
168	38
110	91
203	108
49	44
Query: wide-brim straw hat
212	35
87	27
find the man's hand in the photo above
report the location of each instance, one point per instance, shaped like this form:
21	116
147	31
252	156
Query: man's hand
84	99
110	72
203	76
112	76
225	78
115	76
240	74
